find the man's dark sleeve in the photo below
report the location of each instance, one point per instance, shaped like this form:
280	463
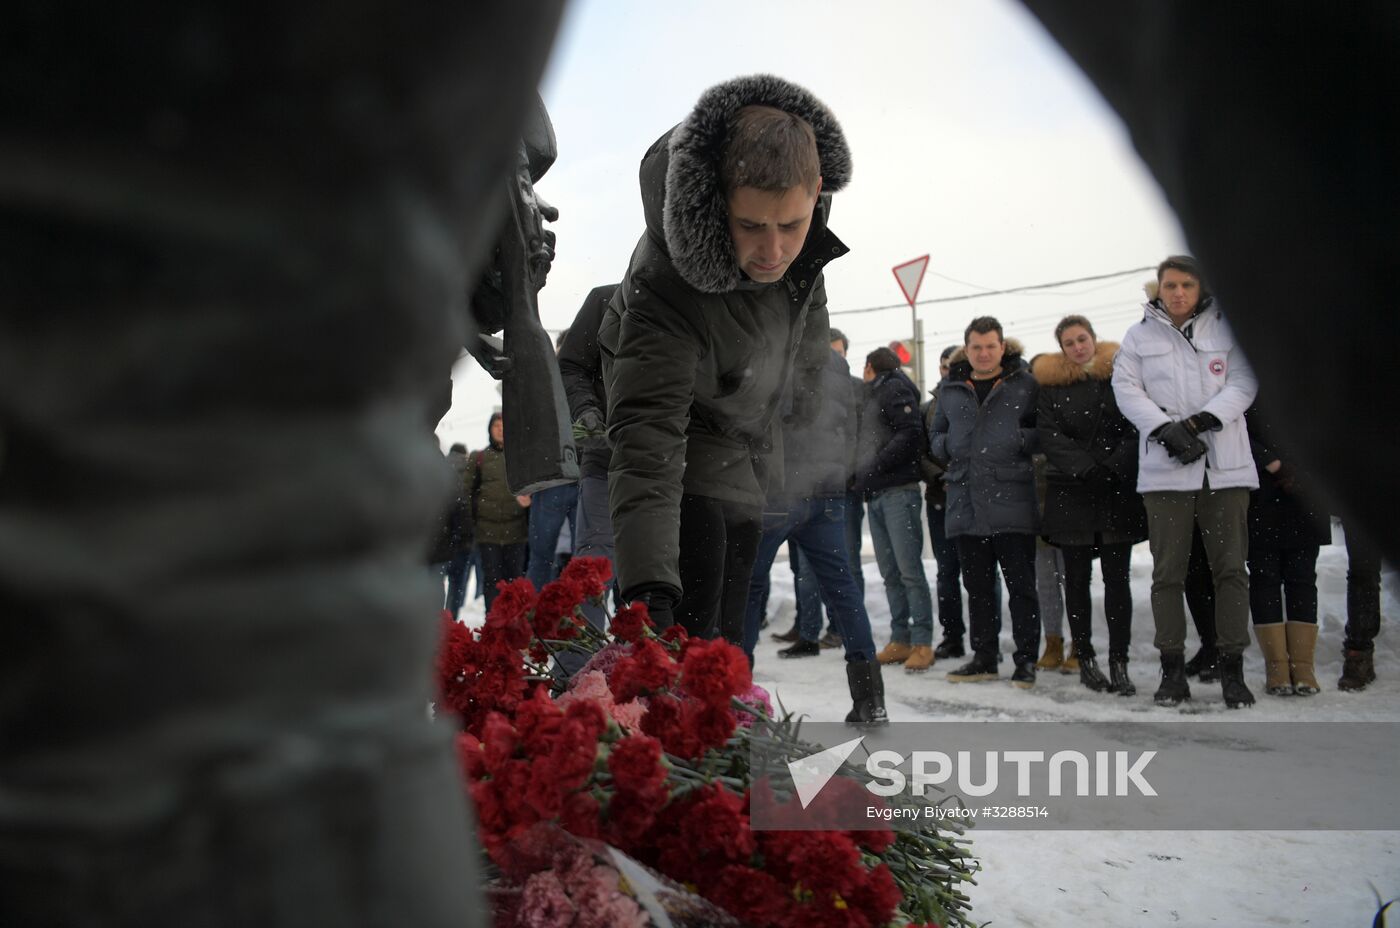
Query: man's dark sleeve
580	360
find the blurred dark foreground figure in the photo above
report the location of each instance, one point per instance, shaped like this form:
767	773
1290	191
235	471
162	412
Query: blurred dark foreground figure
234	248
1261	124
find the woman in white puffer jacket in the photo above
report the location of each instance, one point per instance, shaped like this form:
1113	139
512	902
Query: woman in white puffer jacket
1184	382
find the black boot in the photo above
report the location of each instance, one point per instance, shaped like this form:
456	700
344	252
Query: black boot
867	694
1174	689
1205	664
801	649
950	646
1232	687
1358	669
1118	681
1090	675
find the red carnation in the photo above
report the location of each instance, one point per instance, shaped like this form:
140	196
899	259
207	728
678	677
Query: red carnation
580	815
627	625
647	669
708	726
713	671
498	742
513	603
471	756
675	635
554	611
590	575
635	764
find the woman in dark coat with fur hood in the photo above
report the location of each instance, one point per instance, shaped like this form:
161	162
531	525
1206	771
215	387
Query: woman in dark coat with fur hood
1092	507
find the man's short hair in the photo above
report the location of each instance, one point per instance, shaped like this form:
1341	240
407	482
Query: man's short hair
838	336
1186	265
771	150
948	352
881	360
459	448
1070	322
982	325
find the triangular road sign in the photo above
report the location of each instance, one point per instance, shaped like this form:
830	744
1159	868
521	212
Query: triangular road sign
910	275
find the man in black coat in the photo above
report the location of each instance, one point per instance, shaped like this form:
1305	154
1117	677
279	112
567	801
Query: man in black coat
723	304
984	430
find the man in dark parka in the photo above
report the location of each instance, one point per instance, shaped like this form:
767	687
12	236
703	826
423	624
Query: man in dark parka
723	303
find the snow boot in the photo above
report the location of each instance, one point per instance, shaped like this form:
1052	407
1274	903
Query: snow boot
788	636
867	694
1174	690
1024	676
1205	664
830	640
920	659
978	669
1091	676
1118	677
1054	654
1358	669
950	646
1237	695
1070	665
1273	644
896	652
1302	642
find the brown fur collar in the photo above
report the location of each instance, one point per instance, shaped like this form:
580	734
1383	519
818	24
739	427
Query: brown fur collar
1053	369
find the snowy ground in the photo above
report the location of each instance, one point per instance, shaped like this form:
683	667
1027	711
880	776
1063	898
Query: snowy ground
1050	879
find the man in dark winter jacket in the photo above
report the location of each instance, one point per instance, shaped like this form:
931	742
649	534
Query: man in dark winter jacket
887	473
501	517
452	555
723	304
809	513
984	430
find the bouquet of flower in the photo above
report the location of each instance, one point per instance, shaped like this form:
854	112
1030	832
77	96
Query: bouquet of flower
646	749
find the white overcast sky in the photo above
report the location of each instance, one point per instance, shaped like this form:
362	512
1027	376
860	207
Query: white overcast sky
974	139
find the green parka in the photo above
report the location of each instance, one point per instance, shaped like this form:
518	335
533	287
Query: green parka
499	519
696	356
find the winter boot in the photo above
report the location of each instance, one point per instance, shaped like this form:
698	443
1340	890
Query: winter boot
788	636
830	640
1302	641
801	649
978	669
1273	644
1118	681
1070	665
1232	687
1054	654
1358	669
920	659
896	652
1204	664
1091	676
867	694
1174	690
1024	676
950	646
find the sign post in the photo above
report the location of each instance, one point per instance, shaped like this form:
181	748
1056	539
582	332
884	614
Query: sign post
910	276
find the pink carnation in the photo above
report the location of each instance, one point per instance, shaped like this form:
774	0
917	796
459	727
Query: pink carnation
588	684
544	903
629	714
757	697
604	660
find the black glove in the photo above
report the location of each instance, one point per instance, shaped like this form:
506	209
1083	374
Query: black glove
660	608
1181	443
590	433
1202	422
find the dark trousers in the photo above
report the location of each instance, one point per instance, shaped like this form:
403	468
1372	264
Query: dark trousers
1276	574
1363	592
457	570
945	554
1114	562
978	556
550	508
1200	591
500	562
855	517
718	543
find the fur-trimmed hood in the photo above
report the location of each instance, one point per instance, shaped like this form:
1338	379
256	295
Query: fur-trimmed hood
682	197
1053	369
960	368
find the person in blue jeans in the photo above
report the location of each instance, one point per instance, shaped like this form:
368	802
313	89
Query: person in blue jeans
549	509
810	514
887	473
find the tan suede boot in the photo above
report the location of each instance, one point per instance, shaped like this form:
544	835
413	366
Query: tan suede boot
1302	641
896	652
1054	654
1070	664
920	659
1273	644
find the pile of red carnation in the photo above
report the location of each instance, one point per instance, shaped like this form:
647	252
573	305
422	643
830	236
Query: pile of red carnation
639	752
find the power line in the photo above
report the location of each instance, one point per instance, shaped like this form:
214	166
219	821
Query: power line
977	296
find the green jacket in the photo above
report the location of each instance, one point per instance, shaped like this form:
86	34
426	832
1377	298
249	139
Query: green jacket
499	519
696	357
